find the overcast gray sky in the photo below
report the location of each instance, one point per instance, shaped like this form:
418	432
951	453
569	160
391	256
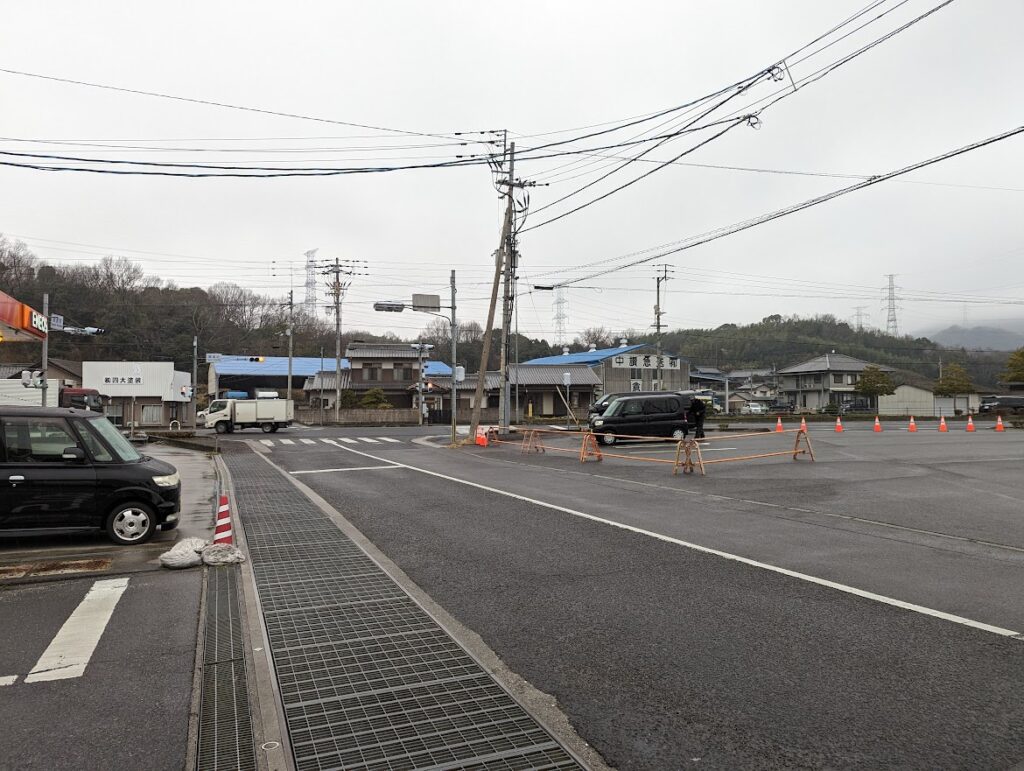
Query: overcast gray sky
532	68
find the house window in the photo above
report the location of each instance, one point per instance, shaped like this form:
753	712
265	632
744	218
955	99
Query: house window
371	372
837	379
635	373
402	371
817	380
851	379
115	413
152	414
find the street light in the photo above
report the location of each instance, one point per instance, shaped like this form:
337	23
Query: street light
421	304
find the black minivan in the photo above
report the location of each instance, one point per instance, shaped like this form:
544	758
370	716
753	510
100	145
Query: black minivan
69	469
657	414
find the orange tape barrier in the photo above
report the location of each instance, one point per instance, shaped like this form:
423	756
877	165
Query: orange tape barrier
688	455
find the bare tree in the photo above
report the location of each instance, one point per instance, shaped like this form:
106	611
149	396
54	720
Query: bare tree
600	337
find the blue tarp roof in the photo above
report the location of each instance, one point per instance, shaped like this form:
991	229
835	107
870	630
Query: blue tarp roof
302	366
584	357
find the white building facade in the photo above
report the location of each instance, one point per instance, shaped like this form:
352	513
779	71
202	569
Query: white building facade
142	393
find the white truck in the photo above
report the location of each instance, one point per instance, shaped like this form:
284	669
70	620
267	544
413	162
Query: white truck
226	415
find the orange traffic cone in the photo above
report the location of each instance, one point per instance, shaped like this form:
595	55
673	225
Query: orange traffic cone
942	424
999	423
970	423
878	425
839	425
912	428
778	426
222	528
803	425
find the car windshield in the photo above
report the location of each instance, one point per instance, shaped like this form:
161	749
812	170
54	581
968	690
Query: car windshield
121	446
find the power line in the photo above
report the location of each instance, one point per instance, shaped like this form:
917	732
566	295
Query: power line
768	217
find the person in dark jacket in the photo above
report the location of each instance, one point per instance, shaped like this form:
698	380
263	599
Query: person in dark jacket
698	409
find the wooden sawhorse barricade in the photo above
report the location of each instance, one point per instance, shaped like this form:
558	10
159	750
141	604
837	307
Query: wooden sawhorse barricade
689	456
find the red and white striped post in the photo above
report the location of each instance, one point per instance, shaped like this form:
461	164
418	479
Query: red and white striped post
222	530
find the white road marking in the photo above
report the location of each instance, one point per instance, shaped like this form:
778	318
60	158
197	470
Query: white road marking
307	441
286	441
708	550
367	439
357	468
389	439
7	679
69	652
267	442
344	439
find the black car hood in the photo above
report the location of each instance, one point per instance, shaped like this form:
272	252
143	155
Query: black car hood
158	467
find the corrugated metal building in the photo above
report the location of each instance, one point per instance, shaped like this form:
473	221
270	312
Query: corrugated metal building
146	393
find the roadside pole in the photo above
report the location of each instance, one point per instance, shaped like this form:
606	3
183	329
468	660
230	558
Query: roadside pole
455	335
419	385
291	336
46	342
195	380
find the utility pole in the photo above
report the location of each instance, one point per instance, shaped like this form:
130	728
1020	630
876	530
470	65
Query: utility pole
46	343
291	337
658	313
195	378
338	287
455	336
506	308
499	257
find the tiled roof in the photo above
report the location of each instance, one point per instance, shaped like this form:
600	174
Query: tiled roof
832	362
382	351
582	376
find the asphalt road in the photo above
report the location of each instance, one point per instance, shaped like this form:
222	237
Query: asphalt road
665	656
129	707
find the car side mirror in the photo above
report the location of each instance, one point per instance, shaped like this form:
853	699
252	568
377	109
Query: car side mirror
73	453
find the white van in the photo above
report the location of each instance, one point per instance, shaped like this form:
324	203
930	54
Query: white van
753	408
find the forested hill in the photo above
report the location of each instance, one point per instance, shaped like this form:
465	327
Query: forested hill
778	341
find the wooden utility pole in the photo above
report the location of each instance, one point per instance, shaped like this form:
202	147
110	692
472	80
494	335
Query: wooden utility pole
500	258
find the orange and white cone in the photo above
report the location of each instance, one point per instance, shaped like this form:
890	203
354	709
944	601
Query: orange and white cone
222	530
803	425
878	425
839	425
942	424
999	423
970	423
778	426
481	436
912	428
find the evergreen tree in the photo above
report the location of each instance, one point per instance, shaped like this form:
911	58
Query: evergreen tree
954	381
874	383
1014	372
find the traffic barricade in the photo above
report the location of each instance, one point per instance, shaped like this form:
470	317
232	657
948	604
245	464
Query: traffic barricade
690	457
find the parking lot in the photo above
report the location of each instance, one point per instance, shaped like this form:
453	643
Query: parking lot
859	610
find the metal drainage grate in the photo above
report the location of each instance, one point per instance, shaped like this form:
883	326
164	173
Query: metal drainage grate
367	678
225	723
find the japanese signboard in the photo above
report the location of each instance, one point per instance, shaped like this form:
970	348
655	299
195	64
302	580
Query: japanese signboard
645	361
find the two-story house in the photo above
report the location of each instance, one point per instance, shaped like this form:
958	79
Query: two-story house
823	380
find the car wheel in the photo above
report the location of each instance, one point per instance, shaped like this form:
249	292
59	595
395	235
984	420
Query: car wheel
274	429
131	523
607	438
267	427
678	434
221	428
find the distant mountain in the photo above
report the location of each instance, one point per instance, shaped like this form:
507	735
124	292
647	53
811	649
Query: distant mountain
987	338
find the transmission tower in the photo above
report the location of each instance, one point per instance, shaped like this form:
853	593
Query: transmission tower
890	322
860	315
311	274
561	318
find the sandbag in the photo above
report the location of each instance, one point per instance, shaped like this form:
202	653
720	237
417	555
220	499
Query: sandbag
222	554
186	553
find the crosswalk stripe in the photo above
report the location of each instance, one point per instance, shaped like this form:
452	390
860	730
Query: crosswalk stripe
69	652
8	679
346	440
307	441
267	442
389	439
286	441
367	439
